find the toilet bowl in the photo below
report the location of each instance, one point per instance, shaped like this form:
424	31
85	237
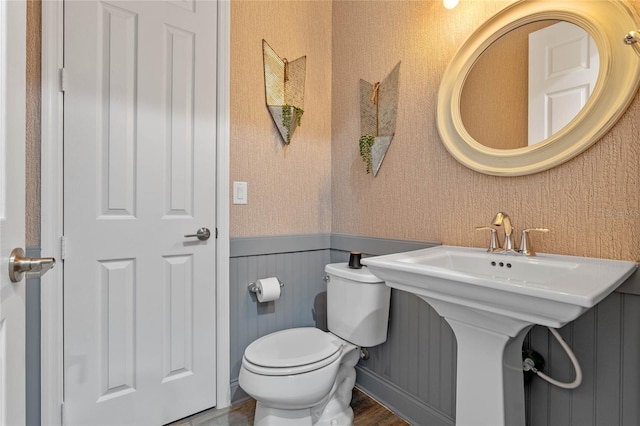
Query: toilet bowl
298	368
301	377
305	376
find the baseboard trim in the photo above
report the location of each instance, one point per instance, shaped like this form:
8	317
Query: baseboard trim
237	394
398	400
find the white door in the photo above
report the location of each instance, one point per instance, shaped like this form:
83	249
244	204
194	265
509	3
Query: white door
12	176
139	175
563	69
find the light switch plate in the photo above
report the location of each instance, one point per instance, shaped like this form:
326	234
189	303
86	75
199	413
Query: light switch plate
240	193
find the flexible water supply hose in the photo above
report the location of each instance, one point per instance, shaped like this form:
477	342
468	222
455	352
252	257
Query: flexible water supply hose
576	365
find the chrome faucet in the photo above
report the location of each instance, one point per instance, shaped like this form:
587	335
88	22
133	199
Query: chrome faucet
502	219
494	244
525	245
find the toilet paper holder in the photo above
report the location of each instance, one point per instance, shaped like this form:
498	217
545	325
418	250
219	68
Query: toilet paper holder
253	288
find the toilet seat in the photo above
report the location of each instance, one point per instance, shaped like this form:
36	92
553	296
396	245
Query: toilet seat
292	351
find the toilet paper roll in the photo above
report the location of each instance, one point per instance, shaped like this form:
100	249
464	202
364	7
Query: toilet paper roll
268	289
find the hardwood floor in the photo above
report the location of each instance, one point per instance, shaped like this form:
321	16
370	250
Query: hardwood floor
366	412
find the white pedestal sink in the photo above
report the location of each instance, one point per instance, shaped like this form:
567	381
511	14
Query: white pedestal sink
491	301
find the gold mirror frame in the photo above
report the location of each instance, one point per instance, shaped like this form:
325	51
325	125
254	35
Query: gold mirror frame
607	22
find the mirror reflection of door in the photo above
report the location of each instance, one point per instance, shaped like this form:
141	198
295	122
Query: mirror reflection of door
494	103
563	69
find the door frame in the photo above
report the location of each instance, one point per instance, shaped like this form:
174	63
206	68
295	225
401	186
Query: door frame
13	103
52	365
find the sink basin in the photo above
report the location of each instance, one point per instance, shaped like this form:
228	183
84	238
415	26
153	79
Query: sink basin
491	300
546	289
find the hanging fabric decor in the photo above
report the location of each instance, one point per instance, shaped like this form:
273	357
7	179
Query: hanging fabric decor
378	110
284	90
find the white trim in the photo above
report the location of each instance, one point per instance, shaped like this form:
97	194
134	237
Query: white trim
223	373
51	337
52	374
12	208
4	29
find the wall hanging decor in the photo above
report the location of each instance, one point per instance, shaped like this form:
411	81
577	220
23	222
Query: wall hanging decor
378	110
284	90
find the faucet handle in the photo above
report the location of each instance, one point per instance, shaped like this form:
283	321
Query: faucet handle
525	246
494	244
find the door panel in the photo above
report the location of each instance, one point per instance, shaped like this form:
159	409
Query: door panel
139	175
563	69
12	209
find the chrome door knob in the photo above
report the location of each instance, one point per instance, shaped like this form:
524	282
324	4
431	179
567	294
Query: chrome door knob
202	234
19	265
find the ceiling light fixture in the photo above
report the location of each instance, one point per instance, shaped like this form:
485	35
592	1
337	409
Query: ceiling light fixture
450	4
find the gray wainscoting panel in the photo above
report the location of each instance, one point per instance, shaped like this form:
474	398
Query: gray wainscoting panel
606	341
32	343
419	356
302	273
414	372
632	285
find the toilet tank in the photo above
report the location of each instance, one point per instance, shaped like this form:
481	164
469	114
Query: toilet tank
357	305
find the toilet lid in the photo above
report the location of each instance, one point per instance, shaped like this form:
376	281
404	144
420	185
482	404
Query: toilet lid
292	348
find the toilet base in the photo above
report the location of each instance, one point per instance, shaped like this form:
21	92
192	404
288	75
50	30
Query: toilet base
268	416
343	418
336	409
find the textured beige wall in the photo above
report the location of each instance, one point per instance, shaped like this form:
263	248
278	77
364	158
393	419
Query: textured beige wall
289	190
591	204
32	190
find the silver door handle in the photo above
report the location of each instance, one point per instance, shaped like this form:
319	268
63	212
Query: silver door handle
19	265
202	234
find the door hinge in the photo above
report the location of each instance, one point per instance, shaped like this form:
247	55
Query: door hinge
63	248
216	233
63	80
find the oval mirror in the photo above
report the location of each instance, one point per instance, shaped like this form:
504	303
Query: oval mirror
485	116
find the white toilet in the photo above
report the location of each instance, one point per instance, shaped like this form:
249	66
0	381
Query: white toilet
304	376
